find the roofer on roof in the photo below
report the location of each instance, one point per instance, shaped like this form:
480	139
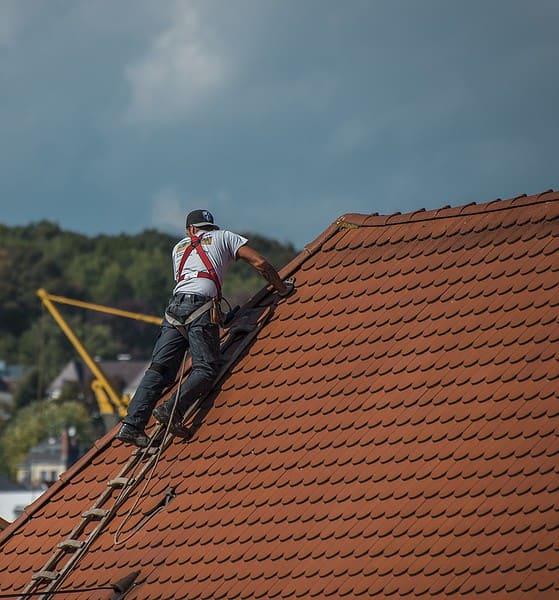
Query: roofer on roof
199	264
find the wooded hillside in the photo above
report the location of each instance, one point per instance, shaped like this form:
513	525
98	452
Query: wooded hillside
132	272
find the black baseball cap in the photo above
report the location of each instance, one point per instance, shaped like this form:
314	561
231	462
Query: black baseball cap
200	218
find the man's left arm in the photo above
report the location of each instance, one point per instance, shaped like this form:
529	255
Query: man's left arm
260	264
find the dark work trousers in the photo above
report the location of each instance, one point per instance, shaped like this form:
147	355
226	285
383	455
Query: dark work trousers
202	340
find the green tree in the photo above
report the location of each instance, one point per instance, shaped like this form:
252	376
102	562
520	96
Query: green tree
28	389
151	279
132	272
99	341
44	346
111	285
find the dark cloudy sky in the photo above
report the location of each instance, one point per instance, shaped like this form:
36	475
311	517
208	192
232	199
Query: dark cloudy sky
277	115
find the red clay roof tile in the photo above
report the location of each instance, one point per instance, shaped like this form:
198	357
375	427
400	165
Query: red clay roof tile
393	430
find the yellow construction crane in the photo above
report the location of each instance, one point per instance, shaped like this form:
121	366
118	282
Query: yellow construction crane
111	404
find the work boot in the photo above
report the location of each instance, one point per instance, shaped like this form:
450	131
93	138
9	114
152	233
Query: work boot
162	415
131	435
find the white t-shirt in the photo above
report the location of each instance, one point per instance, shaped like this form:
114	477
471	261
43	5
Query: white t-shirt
220	247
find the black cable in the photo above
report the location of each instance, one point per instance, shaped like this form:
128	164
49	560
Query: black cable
120	587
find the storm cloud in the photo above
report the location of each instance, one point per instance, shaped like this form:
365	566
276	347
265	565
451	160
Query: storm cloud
279	116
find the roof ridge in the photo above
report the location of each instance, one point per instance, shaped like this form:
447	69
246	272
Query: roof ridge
352	220
308	251
356	220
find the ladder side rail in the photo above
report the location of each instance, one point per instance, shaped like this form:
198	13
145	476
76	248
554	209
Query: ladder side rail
78	529
135	459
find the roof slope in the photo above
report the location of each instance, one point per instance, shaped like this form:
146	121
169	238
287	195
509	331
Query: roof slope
392	431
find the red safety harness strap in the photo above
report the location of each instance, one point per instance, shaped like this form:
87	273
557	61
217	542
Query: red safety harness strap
195	244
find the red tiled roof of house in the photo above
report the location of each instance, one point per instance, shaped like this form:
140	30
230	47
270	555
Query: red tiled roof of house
393	430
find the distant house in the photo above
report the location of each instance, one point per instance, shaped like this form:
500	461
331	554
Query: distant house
76	381
73	373
11	374
46	461
390	431
124	375
14	498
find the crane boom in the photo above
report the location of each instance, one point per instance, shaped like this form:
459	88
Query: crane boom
111	404
99	307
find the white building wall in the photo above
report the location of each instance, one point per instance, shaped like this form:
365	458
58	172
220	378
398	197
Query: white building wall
11	503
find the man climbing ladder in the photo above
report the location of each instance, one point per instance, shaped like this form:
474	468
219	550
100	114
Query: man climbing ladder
191	322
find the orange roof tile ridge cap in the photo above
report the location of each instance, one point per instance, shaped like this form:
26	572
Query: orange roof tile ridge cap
493	206
355	220
310	249
318	242
295	263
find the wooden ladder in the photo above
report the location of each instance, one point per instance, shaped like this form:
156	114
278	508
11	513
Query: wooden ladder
48	579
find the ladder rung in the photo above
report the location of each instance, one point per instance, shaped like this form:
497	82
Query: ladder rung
70	544
77	546
94	513
50	575
119	482
145	451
